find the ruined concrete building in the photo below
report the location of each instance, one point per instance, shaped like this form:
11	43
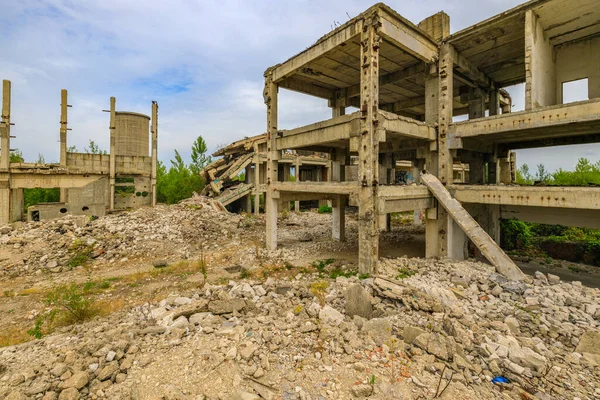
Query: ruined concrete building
407	83
90	184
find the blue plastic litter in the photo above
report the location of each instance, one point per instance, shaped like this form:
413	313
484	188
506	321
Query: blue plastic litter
500	379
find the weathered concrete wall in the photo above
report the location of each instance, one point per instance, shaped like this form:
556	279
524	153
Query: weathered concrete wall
142	195
540	65
85	162
577	61
94	194
132	136
56	210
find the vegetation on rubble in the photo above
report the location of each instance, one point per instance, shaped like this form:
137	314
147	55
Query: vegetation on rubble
179	181
319	290
68	304
80	253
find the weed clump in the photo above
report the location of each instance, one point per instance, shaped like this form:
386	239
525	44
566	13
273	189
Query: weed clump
318	289
80	253
69	304
245	273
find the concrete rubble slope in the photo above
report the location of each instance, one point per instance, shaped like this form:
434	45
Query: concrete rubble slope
419	327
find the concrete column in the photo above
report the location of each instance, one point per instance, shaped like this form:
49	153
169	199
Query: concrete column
476	104
430	160
445	158
63	138
297	168
457	248
256	161
272	199
112	157
5	139
504	171
16	204
338	215
494	102
368	154
287	172
154	149
476	169
385	219
5	197
339	202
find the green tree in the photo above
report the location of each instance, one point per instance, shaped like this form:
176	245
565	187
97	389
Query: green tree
16	156
524	176
542	175
199	157
179	181
93	148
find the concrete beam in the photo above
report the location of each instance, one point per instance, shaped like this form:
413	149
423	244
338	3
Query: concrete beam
561	120
556	216
338	128
50	180
391	78
332	188
300	86
532	196
408	38
469	70
407	127
336	38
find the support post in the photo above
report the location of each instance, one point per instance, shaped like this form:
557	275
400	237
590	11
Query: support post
368	153
256	161
271	200
154	149
430	162
297	169
5	140
477	104
445	158
339	202
63	139
494	102
5	197
112	156
338	216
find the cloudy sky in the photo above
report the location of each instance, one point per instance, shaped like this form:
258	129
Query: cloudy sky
202	60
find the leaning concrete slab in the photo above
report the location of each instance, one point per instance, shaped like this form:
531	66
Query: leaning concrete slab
480	238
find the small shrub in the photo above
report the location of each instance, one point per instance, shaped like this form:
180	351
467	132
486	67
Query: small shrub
405	273
325	209
36	331
320	265
364	276
71	302
515	234
318	289
202	266
245	273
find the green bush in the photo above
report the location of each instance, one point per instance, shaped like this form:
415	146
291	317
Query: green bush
71	302
515	234
324	210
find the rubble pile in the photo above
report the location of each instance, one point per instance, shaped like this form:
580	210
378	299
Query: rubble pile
420	329
163	231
